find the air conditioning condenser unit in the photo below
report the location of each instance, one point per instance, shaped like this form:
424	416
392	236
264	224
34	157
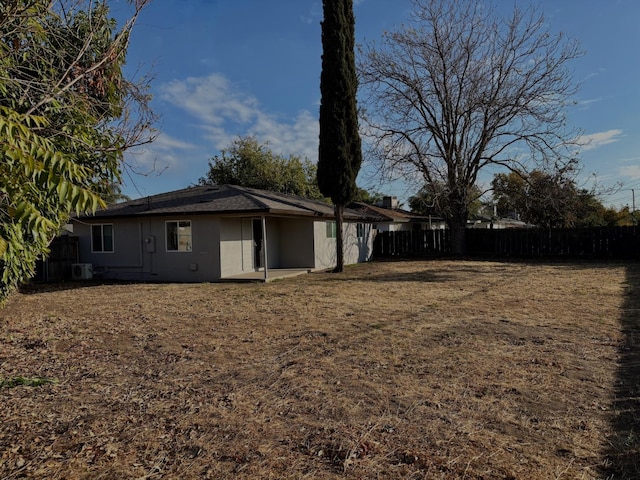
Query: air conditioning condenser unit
82	271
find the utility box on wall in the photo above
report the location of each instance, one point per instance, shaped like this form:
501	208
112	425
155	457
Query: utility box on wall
150	243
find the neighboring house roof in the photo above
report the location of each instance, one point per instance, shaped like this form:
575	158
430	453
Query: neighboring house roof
224	199
392	214
483	222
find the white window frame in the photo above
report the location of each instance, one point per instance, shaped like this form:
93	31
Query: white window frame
360	230
177	240
102	237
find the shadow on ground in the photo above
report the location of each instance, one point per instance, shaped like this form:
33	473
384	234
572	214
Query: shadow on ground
48	287
623	452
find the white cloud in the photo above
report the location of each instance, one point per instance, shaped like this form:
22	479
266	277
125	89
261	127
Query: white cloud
223	111
211	99
630	172
314	15
595	140
166	142
154	158
596	73
584	104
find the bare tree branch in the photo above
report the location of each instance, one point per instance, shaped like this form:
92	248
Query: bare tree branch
459	89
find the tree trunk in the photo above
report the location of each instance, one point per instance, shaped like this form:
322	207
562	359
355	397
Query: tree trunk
339	210
458	235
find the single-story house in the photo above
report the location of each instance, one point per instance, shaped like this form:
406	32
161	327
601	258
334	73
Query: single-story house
496	223
392	218
214	233
488	218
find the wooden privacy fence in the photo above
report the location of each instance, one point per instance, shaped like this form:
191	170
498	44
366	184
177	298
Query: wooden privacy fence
602	242
414	243
57	266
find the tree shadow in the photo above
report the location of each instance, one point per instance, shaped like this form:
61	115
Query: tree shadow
429	270
622	456
34	288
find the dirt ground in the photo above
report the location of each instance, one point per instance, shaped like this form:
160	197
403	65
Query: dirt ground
419	369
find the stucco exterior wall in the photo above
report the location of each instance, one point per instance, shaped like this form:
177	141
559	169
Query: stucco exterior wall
355	249
236	246
325	248
289	244
295	242
274	237
140	250
220	247
127	255
358	249
201	264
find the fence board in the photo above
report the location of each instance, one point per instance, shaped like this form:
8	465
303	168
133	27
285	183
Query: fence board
57	266
412	243
588	243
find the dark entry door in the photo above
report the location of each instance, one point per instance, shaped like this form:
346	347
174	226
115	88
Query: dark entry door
257	243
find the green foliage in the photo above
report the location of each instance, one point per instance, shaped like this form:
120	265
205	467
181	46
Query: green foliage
539	198
114	194
25	381
590	212
39	187
340	151
61	94
247	163
552	201
366	196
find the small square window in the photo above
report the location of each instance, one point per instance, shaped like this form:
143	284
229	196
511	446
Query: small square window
102	238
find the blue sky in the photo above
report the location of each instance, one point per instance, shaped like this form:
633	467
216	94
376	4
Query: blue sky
223	68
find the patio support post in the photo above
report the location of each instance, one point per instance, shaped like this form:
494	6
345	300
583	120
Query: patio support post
264	247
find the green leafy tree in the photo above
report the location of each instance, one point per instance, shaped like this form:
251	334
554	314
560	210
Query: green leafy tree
67	113
591	212
366	196
340	151
115	195
459	90
538	198
551	201
248	163
623	217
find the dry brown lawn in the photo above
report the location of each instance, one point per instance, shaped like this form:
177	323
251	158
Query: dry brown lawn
418	369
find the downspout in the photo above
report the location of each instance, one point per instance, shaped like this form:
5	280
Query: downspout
264	248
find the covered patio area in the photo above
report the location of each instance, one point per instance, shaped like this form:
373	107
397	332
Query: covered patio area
266	276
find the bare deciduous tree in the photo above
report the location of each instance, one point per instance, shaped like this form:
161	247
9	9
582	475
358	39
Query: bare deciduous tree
460	89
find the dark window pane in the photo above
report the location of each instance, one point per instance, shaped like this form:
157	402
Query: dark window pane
96	235
107	238
172	236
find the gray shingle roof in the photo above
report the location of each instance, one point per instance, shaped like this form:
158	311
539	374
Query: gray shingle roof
224	199
391	214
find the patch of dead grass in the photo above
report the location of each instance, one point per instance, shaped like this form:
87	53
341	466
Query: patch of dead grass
436	369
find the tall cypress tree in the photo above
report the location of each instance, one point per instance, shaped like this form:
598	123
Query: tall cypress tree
340	151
